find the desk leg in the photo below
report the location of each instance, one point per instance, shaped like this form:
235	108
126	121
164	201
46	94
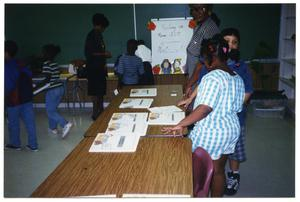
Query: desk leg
66	95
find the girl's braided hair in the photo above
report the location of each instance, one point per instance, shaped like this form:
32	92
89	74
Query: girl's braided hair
216	46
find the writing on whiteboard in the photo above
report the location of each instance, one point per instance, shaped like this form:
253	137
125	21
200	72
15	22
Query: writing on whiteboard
170	39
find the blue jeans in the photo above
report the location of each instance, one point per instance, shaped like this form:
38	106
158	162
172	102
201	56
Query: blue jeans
53	98
25	112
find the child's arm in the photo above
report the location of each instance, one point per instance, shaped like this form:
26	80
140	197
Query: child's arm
189	100
198	114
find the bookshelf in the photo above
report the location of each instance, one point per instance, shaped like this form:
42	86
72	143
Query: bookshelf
287	48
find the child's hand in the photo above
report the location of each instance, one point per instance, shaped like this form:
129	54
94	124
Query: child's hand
176	130
185	103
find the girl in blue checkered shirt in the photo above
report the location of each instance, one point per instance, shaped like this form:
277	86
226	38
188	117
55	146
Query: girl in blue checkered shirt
232	36
220	97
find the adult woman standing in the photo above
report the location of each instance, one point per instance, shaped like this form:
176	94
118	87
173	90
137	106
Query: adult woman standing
207	27
96	55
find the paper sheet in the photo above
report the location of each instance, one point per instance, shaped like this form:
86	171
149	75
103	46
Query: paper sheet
137	103
129	117
165	109
129	127
172	118
109	142
143	92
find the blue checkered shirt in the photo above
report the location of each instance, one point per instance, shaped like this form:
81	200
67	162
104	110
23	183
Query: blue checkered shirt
218	132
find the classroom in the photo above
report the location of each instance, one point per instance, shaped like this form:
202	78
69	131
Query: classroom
149	100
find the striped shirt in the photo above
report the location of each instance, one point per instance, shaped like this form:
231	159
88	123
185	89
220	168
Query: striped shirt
206	30
218	132
130	67
52	69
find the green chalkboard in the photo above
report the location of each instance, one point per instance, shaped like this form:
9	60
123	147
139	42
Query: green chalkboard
33	25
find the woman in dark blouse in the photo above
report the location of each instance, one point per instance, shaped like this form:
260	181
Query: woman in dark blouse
96	63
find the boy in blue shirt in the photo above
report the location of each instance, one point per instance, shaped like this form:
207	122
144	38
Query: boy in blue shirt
18	99
130	67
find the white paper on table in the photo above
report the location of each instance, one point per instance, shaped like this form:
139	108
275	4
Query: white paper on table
109	142
127	128
143	92
136	103
165	109
172	118
156	196
129	117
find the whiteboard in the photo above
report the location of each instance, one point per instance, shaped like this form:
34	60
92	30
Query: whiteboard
170	39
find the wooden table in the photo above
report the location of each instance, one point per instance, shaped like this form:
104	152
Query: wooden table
159	166
163	98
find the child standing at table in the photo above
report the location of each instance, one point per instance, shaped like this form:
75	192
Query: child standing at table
232	36
54	92
130	66
220	97
18	99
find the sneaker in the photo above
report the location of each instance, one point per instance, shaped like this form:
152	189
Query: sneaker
34	149
66	129
232	184
53	131
10	146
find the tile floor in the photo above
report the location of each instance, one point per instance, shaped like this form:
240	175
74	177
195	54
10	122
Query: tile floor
268	172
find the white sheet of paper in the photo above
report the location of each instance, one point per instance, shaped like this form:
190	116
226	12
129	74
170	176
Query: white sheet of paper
109	142
127	127
172	118
165	109
129	117
143	92
137	103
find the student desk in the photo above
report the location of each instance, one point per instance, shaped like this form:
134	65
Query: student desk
163	98
159	166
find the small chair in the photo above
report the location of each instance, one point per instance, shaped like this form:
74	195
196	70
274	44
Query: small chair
202	172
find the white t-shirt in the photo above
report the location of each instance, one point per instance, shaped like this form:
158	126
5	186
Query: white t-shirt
144	53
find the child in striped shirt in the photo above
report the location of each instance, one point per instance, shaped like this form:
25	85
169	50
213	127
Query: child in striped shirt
54	92
130	67
220	97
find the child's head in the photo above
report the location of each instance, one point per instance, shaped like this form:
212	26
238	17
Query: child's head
232	36
214	51
140	42
11	49
100	21
131	46
50	51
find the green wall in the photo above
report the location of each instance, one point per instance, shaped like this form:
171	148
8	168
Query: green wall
33	25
